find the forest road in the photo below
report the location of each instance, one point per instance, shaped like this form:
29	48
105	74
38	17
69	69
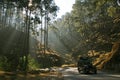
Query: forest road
71	73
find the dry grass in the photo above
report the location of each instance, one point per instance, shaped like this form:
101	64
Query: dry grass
102	59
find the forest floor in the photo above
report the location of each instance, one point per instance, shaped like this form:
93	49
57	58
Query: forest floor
30	76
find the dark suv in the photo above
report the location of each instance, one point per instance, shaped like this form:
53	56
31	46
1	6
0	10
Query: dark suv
85	66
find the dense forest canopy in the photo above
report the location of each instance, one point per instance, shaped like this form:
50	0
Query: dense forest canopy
91	25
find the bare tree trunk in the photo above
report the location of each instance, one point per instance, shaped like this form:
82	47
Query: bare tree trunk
41	33
45	27
27	26
47	31
3	15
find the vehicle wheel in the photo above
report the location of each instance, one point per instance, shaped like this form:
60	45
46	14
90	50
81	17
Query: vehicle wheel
95	72
79	70
86	71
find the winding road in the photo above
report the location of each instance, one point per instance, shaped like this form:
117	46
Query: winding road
71	73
